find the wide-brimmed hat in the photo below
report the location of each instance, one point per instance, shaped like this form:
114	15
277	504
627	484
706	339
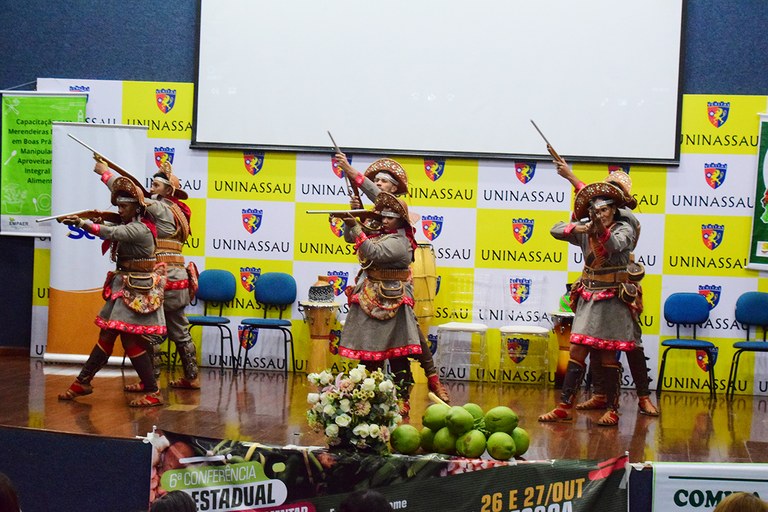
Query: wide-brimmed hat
125	187
391	167
622	180
594	190
165	175
387	201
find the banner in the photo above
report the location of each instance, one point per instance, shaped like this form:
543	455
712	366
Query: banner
681	487
223	475
758	245
78	267
25	178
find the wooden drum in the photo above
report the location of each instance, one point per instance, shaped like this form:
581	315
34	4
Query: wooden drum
424	285
561	326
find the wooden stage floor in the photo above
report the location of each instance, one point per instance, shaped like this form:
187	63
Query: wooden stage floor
270	408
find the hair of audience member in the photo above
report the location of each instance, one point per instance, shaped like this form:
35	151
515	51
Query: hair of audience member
174	501
741	502
365	501
9	500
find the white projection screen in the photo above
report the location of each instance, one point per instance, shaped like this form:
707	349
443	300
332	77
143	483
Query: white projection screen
601	78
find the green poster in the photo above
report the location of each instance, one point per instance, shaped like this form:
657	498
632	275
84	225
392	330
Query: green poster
758	252
25	157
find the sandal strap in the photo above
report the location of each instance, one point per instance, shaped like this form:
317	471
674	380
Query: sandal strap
596	402
609	419
136	387
646	406
559	413
148	400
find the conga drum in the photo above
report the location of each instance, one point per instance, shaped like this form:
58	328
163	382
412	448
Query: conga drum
424	285
319	318
562	322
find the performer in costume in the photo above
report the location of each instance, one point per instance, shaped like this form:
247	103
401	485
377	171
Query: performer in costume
381	324
601	299
387	175
171	216
133	293
636	358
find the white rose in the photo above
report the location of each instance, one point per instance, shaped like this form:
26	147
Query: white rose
325	378
313	398
368	384
345	405
343	420
332	430
357	374
374	431
329	410
386	386
361	430
313	378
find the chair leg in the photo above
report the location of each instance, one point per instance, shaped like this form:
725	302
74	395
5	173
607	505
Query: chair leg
712	391
229	338
661	372
730	390
289	341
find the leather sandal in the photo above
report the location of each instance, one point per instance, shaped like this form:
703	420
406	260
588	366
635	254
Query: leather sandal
595	403
609	419
136	387
148	400
184	383
438	389
557	414
646	407
76	389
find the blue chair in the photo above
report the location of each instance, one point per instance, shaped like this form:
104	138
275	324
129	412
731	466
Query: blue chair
751	310
217	287
272	290
688	309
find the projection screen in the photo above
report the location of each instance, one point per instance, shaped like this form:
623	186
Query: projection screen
442	77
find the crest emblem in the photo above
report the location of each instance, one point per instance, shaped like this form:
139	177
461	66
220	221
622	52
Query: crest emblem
711	293
339	281
337	226
165	99
714	174
717	112
337	170
431	226
163	155
434	169
712	235
248	277
522	229
247	336
252	220
253	162
525	171
520	289
517	349
702	359
432	343
333	341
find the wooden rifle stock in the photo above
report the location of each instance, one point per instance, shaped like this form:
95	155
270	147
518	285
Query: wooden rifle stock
106	216
112	165
352	189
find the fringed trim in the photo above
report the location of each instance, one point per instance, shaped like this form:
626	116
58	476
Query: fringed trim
177	285
601	344
587	295
116	325
359	239
367	355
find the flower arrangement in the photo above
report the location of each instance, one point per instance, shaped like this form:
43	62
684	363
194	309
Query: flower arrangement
357	410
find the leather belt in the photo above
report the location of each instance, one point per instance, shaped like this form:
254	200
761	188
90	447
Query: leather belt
171	259
142	265
169	245
389	274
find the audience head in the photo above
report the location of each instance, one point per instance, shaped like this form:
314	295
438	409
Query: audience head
365	501
9	502
174	501
741	502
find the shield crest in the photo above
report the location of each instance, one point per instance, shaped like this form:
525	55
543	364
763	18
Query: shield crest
339	281
703	361
517	349
712	235
337	170
163	155
434	169
432	343
522	229
525	171
717	112
247	336
248	277
431	226
333	341
252	220
337	226
711	293
165	99
253	162
520	289
714	174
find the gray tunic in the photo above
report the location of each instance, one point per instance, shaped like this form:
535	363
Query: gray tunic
367	338
601	319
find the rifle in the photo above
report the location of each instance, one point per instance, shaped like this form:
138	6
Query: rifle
550	149
107	216
352	190
112	165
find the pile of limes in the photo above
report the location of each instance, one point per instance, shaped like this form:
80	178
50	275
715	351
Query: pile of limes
464	430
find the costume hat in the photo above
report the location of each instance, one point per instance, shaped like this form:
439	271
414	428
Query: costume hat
391	167
387	201
125	188
171	180
594	190
622	180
